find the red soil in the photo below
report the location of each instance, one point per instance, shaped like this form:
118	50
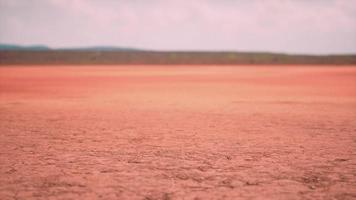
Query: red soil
178	132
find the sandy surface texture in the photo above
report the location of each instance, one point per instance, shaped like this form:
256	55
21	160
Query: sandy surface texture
178	132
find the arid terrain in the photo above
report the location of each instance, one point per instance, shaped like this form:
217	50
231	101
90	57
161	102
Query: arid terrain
140	57
178	132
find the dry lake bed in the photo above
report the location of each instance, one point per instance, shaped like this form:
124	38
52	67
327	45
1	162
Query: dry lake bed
178	132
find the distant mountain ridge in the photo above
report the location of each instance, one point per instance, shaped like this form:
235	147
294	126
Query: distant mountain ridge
14	47
108	55
39	47
19	47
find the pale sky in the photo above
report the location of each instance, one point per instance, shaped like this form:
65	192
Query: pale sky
291	26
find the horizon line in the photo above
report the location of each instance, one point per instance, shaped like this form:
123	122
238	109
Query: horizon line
113	48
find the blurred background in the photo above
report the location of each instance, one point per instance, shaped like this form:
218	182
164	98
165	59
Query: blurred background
319	27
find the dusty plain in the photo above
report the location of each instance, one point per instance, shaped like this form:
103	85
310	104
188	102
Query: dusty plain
178	132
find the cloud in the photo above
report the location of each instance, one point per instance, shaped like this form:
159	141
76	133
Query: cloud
319	26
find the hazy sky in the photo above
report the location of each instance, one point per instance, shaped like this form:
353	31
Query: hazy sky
294	26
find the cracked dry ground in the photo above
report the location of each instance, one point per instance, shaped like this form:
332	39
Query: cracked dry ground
178	132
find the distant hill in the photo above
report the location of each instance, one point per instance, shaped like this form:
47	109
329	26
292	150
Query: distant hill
18	47
106	55
13	47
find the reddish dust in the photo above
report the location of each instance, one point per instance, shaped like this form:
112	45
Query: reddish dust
178	132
